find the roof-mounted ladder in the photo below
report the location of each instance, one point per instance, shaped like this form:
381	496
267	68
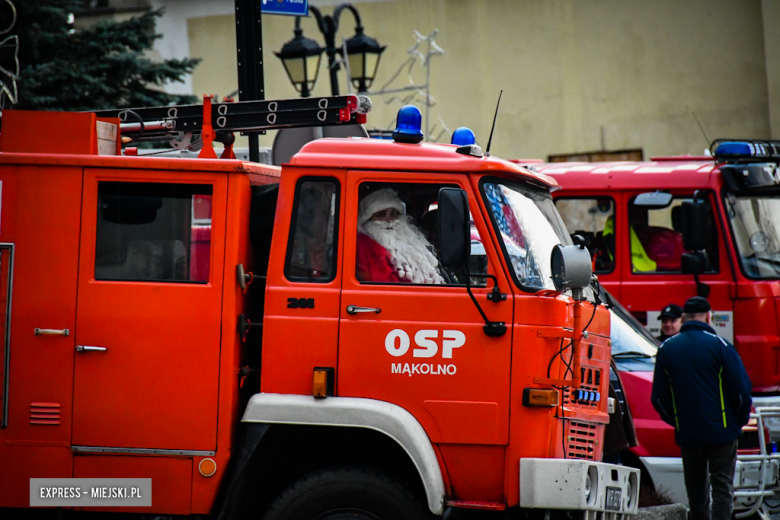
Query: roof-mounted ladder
218	121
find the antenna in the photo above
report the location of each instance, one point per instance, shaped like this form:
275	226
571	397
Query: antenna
701	128
490	139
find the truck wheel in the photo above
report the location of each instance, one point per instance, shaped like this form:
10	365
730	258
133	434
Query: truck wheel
347	493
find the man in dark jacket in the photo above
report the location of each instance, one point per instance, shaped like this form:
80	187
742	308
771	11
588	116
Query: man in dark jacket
701	388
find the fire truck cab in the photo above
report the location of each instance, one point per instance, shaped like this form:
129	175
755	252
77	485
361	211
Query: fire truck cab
662	231
203	323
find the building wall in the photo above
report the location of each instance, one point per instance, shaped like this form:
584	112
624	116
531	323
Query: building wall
577	76
770	10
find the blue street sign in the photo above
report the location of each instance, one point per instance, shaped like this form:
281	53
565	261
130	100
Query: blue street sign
289	7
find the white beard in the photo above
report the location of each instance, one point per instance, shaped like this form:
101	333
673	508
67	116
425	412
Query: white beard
408	248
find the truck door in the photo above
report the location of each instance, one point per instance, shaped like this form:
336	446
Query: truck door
653	278
420	345
148	313
39	234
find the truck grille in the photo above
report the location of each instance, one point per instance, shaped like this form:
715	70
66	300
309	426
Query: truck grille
581	440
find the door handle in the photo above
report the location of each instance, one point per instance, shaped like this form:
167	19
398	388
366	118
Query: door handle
354	309
51	332
86	348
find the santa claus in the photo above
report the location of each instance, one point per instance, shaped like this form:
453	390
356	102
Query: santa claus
389	247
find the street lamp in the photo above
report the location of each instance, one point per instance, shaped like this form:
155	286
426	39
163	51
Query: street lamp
301	59
363	54
363	51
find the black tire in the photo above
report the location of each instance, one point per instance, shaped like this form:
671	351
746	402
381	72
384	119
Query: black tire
347	493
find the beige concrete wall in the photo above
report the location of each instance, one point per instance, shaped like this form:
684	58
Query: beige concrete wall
575	74
770	10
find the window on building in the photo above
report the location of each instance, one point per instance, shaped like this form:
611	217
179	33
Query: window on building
594	220
398	237
656	239
311	254
146	232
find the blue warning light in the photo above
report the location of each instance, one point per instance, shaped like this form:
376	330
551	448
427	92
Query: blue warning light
463	136
736	148
408	125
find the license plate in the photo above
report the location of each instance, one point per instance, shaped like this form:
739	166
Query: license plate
614	498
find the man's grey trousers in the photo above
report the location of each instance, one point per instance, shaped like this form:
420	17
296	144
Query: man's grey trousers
713	465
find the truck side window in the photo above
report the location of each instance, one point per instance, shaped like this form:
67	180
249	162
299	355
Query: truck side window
655	238
147	232
311	248
594	220
398	237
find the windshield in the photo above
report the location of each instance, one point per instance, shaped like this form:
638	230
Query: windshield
755	221
529	226
627	342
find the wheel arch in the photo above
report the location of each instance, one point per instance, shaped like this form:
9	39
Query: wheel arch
387	419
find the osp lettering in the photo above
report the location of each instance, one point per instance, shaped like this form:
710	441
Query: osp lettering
397	343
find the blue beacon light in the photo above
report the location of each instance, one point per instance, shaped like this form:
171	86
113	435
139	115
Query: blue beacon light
735	148
408	125
463	136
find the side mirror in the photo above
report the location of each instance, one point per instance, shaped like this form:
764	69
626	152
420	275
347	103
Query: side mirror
653	200
694	225
693	263
454	239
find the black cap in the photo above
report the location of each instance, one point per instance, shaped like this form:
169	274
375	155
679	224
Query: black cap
696	305
671	311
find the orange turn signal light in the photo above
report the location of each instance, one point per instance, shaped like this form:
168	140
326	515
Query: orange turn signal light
540	397
323	382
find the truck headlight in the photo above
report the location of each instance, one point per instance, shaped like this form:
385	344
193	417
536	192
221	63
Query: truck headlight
592	485
587	487
630	485
628	493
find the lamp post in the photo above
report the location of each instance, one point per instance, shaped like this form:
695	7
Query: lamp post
363	53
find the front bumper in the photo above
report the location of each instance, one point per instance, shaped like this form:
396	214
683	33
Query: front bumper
756	476
613	490
771	420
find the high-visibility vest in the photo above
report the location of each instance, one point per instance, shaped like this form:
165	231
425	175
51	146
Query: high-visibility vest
639	259
609	229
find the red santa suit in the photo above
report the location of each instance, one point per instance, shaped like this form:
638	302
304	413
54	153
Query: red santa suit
373	262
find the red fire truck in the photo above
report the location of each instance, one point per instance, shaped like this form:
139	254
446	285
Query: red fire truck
200	322
662	231
633	219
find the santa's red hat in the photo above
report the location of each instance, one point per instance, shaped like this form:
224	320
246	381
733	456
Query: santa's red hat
377	201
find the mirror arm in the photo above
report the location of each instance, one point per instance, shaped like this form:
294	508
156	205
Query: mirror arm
495	295
702	289
491	328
